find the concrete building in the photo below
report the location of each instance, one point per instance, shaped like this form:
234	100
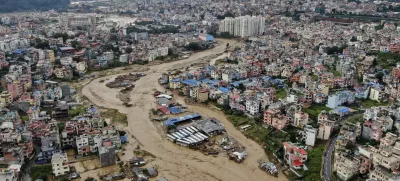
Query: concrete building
5	98
324	131
300	119
309	135
375	94
59	163
345	166
75	21
243	26
107	156
294	156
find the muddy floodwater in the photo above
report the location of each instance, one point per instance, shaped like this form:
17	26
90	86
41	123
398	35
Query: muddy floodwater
175	162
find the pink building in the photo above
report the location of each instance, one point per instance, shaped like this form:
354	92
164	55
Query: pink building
275	119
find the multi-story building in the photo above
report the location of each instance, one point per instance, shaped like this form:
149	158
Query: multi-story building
59	163
340	98
309	135
107	156
274	118
243	26
252	106
75	21
345	166
300	119
5	99
294	156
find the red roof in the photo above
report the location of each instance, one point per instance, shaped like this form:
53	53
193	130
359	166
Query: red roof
107	143
297	163
163	109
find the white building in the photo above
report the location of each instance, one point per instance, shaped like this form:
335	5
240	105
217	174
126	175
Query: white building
123	58
82	144
375	94
292	98
243	26
74	21
252	106
309	135
59	163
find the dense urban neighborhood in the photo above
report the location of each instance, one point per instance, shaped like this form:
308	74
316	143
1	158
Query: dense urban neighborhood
168	90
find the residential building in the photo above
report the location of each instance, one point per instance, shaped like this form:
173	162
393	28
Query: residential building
252	106
345	166
107	156
376	94
243	26
340	98
294	156
5	99
59	163
274	118
300	119
309	135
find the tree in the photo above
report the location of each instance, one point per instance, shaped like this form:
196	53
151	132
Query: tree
170	52
242	87
193	46
57	62
89	179
75	44
129	50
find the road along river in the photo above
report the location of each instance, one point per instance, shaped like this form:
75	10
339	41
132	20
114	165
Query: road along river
175	162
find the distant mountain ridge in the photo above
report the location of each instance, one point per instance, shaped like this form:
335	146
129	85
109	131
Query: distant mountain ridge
30	5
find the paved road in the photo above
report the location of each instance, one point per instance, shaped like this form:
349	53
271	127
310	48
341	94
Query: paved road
326	171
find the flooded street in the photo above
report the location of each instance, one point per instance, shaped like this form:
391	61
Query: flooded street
176	162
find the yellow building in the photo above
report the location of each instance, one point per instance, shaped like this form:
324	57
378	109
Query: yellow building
5	98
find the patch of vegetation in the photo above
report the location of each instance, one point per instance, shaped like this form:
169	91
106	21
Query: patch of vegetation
314	163
143	153
25	118
41	172
387	60
355	119
77	111
115	116
314	110
281	94
368	103
314	77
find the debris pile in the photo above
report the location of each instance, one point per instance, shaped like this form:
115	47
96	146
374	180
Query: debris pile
123	81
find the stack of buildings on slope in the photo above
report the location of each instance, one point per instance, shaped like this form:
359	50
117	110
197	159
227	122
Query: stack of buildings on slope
370	147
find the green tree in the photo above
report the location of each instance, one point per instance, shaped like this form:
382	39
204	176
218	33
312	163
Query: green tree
193	46
75	44
89	179
129	50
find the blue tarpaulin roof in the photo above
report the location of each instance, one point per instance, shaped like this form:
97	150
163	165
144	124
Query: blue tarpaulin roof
18	51
344	109
173	121
223	89
174	110
191	82
124	139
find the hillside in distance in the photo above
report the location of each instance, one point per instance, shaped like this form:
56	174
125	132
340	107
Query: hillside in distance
30	5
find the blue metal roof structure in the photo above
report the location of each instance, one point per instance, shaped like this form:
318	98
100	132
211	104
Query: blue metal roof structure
224	89
18	51
191	82
174	110
173	121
